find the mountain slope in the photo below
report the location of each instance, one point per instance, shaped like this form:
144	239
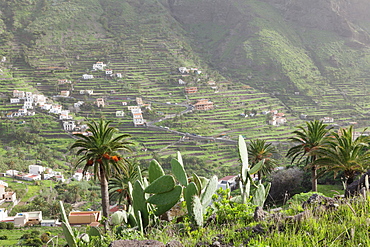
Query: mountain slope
298	57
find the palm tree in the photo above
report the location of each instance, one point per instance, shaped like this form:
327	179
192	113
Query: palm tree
343	153
259	150
309	139
99	151
118	185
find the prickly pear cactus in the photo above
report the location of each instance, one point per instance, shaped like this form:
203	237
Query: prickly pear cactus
139	204
161	185
168	197
155	171
210	190
197	211
179	172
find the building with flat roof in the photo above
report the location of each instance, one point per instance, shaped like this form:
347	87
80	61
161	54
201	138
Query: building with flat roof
84	217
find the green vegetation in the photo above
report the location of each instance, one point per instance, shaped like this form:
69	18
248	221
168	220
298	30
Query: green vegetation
255	57
100	152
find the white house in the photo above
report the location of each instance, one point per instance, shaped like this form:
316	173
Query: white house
51	223
64	81
31	177
87	77
18	94
56	109
64	115
14	100
28	95
28	105
36	169
108	72
27	218
12	173
120	113
39	99
89	92
22	112
46	107
78	104
99	66
119	75
100	102
3	213
181	82
327	120
79	175
59	178
228	182
183	70
277	121
10	197
64	93
138	119
2	183
131	107
69	125
136	110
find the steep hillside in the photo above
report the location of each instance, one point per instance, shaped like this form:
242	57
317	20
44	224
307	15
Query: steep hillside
307	59
317	50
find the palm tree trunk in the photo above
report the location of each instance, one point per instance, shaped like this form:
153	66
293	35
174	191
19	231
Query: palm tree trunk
104	197
313	178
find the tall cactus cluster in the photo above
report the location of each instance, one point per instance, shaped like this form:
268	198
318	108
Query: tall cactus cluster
246	180
198	191
158	194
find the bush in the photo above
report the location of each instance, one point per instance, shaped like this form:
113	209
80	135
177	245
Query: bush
26	236
9	225
33	242
302	197
2	225
35	233
45	237
4	237
285	183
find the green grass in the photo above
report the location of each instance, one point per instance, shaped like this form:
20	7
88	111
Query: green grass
330	190
345	226
15	234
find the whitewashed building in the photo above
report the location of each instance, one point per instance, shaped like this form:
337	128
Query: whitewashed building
36	169
87	77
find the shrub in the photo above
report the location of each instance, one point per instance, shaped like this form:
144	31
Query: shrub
229	211
35	233
33	242
26	236
4	237
45	237
285	183
9	225
2	225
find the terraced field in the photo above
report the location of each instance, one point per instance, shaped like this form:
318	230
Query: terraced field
147	49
